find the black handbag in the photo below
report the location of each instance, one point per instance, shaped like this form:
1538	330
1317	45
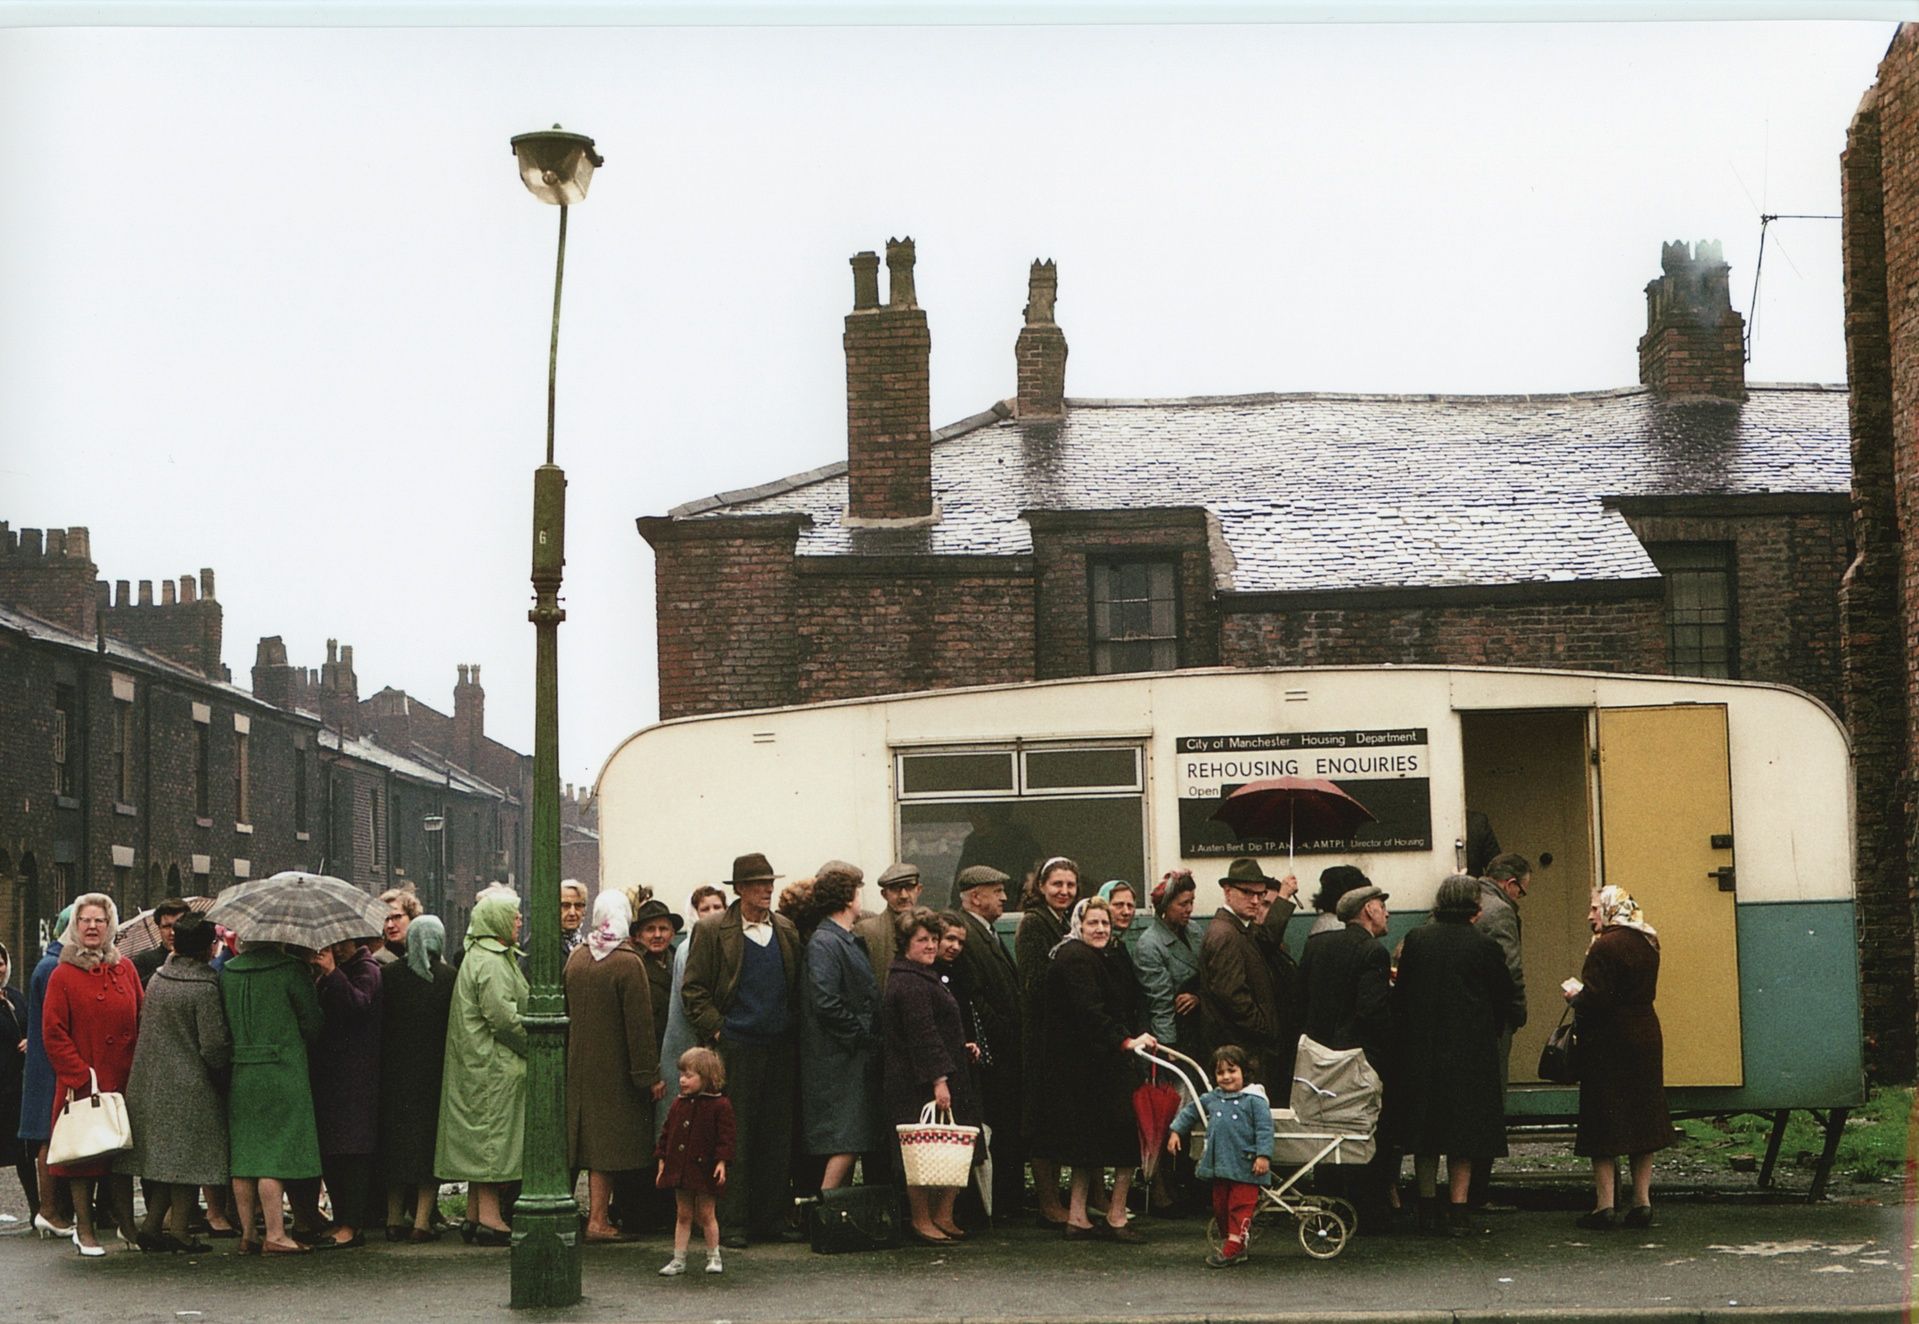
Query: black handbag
850	1218
1559	1059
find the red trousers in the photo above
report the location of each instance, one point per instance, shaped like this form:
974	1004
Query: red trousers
1233	1205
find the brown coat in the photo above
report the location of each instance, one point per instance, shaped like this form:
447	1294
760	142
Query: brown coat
612	1061
882	937
712	978
1238	1000
1622	1054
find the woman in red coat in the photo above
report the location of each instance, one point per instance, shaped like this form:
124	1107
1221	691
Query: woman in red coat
89	1022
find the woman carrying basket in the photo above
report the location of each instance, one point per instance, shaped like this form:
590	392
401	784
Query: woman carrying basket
926	1062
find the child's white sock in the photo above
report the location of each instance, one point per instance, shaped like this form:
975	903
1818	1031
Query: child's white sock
713	1261
675	1266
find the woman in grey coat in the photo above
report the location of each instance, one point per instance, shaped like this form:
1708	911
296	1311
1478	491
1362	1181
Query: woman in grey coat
839	1032
176	1095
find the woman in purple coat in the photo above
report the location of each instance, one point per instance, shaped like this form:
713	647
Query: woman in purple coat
345	1068
926	1059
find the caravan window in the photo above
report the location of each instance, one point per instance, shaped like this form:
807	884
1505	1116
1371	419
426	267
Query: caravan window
1011	807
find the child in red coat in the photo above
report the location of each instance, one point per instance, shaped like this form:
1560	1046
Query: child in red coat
696	1144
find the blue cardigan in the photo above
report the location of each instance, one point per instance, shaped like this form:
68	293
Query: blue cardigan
1239	1129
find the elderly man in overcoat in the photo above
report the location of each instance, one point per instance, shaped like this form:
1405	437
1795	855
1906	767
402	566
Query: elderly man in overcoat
1239	1003
987	969
1505	881
1347	974
900	889
741	995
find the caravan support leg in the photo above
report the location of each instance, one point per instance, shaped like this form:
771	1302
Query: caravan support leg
1772	1147
1835	1125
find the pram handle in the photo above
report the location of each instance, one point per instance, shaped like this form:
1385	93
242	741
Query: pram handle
1163	1056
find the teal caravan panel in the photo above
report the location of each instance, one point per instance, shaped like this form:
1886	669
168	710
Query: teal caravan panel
1799	1007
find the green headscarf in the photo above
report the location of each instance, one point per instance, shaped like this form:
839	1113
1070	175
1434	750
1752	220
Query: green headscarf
492	923
425	940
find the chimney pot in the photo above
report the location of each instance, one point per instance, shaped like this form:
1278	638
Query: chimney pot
56	542
475	671
462	670
1039	354
30	542
79	544
866	281
146	593
899	273
333	650
1694	346
166	593
206	582
122	592
188	589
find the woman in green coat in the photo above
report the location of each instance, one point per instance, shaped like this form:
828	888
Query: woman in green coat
273	1014
483	1094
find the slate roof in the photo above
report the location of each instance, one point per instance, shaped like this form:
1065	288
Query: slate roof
1321	491
33	627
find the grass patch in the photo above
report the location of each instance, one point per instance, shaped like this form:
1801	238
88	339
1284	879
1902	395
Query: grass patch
1871	1148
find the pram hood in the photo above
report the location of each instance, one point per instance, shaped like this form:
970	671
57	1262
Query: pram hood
1335	1089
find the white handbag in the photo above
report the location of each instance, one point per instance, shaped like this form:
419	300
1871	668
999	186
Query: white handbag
89	1128
935	1152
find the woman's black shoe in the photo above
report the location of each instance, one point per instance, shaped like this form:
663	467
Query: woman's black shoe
492	1236
1640	1215
1599	1220
468	1230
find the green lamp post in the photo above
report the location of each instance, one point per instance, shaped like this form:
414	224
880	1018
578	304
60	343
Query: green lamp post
556	167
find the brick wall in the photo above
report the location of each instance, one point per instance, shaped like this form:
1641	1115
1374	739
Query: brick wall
882	627
1881	206
1787	567
185	628
50	573
726	593
1625	634
1063	544
889	431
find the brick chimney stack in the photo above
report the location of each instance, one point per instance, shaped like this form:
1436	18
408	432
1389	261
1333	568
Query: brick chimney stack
469	718
1041	349
1694	346
340	690
889	433
53	578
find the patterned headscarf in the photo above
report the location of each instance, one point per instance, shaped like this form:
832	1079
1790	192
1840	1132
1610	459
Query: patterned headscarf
1079	918
425	941
612	920
1617	909
70	949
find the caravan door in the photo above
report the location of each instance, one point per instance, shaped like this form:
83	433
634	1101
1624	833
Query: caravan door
1665	824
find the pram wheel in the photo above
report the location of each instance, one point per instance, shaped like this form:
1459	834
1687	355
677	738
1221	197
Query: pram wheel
1344	1208
1322	1233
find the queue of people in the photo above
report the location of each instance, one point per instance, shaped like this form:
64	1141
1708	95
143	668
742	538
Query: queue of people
773	1053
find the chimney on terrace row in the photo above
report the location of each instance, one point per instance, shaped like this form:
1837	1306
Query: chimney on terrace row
1040	351
889	433
469	718
1694	346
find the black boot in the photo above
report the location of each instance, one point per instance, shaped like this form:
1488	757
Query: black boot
1428	1221
1461	1223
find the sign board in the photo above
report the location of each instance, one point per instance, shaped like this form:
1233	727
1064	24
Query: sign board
1388	771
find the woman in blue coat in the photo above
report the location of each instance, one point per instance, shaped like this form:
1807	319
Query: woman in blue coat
54	1215
839	1033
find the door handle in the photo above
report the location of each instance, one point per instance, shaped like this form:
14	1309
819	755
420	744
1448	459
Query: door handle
1724	874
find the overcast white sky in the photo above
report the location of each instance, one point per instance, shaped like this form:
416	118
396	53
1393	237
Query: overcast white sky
274	301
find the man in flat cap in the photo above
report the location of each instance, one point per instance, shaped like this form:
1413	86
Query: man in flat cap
987	968
900	889
741	993
1348	979
1239	1003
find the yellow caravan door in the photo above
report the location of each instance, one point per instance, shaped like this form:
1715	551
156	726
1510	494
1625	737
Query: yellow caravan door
1665	823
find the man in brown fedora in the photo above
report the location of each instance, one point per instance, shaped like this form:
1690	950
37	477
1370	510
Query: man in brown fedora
741	994
1239	1003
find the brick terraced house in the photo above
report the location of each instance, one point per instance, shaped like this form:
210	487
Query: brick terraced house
1691	524
131	764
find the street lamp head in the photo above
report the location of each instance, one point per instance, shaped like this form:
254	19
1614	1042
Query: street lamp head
556	166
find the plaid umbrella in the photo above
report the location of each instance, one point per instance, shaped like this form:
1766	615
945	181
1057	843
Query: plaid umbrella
305	909
141	934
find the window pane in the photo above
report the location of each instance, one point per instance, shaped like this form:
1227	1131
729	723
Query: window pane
933	774
1131	655
1160	575
1057	769
1106	836
1161	625
1165	654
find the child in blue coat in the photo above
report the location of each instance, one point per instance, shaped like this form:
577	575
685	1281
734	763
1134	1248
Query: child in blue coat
1239	1147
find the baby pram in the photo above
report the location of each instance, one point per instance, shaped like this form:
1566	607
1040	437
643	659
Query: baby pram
1334	1111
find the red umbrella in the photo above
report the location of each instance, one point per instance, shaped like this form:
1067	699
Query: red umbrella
1155	1104
1287	806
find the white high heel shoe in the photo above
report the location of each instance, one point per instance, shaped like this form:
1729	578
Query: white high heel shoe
47	1229
90	1252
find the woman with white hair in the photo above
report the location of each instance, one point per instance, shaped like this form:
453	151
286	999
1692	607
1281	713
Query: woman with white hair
612	1059
89	1025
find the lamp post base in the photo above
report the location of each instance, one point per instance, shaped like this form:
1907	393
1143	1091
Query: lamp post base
545	1253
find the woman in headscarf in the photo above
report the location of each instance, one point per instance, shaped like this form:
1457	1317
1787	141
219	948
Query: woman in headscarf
1622	1057
51	1216
1095	1017
1049	896
273	1014
176	1100
612	1059
483	1094
90	1026
418	995
1448	1008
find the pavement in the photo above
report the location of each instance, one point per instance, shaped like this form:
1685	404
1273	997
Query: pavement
1712	1256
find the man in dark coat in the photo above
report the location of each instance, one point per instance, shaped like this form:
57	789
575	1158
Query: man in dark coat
1347	975
1238	1001
900	890
987	969
165	916
1506	880
741	993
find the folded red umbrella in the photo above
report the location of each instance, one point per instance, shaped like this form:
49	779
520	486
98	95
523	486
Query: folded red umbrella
1155	1104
